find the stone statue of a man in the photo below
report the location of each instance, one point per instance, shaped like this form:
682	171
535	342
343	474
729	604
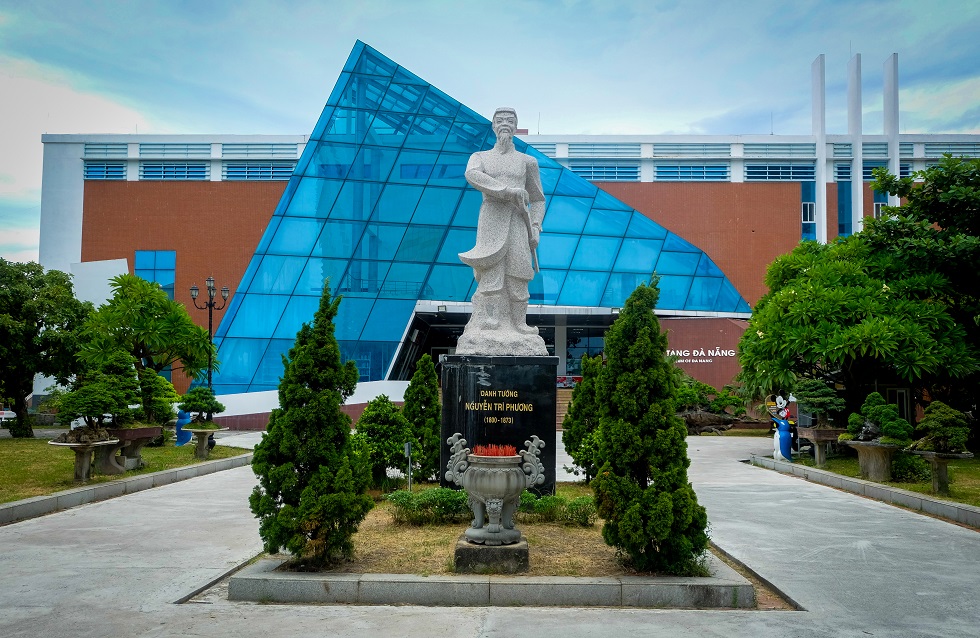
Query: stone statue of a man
504	258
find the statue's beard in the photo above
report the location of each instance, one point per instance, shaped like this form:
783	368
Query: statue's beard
504	136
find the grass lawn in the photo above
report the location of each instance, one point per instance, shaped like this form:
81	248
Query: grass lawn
964	477
31	467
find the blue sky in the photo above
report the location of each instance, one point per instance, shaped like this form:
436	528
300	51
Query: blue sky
568	66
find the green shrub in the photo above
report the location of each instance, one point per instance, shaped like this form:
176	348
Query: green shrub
529	501
429	507
557	509
551	509
946	430
424	414
581	511
894	429
909	468
386	431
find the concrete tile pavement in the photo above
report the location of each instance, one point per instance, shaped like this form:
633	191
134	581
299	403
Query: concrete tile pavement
859	568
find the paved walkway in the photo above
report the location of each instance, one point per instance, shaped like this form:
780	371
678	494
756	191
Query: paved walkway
858	567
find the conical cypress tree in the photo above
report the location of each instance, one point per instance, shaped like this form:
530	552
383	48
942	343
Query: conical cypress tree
650	509
424	413
313	479
386	432
582	420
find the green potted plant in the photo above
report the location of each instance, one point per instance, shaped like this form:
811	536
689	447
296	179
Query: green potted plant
945	431
818	398
877	432
202	401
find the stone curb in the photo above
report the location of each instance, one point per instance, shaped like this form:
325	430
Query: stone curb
41	505
958	512
260	582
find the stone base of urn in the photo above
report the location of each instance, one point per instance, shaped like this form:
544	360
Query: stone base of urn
491	559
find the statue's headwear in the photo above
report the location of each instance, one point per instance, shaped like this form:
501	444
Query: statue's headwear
504	109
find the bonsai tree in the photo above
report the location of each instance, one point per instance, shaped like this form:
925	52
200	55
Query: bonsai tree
582	419
651	512
313	479
946	429
815	396
879	420
386	432
101	396
424	414
201	400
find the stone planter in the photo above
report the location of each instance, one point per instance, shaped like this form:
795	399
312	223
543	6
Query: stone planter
494	485
201	451
821	438
940	472
83	456
875	459
131	443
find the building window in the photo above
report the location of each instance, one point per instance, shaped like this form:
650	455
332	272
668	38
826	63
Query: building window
607	172
257	170
780	150
175	150
870	166
880	201
106	150
577	149
956	149
546	149
245	151
174	170
105	170
159	266
680	149
692	172
779	172
809	212
842	172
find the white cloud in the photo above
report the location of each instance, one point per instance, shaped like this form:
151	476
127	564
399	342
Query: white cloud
39	99
19	244
936	107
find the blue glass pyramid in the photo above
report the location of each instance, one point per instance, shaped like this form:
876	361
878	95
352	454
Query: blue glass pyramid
379	205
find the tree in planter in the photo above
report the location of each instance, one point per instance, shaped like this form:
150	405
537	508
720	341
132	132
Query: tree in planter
945	429
201	400
141	319
424	414
94	394
313	478
39	322
815	396
650	509
386	432
582	419
886	426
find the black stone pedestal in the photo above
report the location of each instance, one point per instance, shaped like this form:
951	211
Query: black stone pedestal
491	559
503	401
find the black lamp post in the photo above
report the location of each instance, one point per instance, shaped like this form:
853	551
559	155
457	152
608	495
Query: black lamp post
210	306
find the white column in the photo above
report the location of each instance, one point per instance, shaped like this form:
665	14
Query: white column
819	95
854	130
62	197
891	120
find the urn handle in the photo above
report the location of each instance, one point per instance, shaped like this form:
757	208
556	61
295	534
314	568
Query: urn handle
457	462
533	467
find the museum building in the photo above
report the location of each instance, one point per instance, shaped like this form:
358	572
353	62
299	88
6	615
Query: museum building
374	200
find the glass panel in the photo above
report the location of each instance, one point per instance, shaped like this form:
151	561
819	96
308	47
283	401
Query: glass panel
437	206
314	197
230	313
347	126
356	200
270	232
298	311
596	253
707	268
449	283
468	211
380	241
606	201
413	167
449	170
145	274
166	259
457	241
278	274
338	239
258	315
365	92
324	119
165	278
271	369
641	226
676	243
331	160
402	76
556	250
389	129
704	292
728	299
545	286
583	288
571	184
295	236
239	358
639	255
145	260
404	281
607	222
438	103
364	279
420	243
388	320
371	62
566	214
372	358
673	292
677	263
428	133
468	137
403	98
317	271
351	316
373	163
549	179
620	287
397	203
